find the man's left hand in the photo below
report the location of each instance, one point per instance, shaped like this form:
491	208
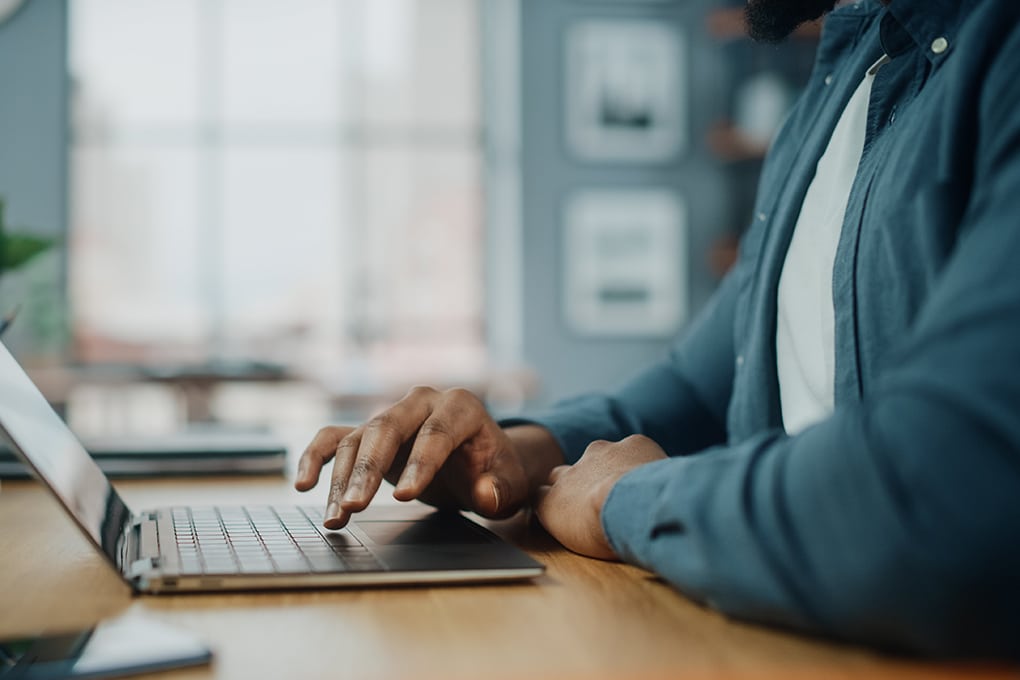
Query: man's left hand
570	504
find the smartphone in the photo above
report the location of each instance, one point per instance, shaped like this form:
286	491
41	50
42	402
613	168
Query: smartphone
125	645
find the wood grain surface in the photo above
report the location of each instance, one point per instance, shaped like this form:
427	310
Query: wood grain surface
582	619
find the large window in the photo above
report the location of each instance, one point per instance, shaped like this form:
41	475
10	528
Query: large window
292	181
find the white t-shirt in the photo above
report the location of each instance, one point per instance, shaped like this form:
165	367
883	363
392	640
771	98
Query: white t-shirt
805	345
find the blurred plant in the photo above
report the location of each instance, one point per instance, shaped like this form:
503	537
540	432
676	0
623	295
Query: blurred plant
18	249
44	329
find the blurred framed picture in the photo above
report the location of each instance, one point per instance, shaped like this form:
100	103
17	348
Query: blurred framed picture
626	91
626	258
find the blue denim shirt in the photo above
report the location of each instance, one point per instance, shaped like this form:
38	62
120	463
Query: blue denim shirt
896	521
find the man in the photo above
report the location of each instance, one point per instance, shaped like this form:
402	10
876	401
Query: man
834	445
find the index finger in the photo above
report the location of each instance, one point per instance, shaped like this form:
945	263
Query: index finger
381	439
319	452
458	417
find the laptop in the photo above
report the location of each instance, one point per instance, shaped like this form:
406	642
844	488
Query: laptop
182	548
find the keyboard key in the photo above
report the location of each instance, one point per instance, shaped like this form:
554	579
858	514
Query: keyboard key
342	539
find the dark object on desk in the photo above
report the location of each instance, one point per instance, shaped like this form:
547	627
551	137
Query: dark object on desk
197	381
218	370
187	453
123	646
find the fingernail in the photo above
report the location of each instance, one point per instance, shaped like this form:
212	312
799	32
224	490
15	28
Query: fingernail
495	496
332	510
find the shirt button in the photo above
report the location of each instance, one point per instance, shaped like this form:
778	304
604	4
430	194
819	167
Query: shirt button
828	79
740	360
939	45
762	217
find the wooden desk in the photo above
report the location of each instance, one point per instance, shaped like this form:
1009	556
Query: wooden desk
583	619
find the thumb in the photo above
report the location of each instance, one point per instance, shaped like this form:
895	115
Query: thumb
502	489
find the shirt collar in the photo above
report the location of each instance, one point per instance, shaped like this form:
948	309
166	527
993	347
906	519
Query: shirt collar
932	25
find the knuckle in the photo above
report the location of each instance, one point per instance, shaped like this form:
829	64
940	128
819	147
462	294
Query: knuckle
328	432
348	444
385	424
460	404
421	392
461	395
636	439
365	467
433	427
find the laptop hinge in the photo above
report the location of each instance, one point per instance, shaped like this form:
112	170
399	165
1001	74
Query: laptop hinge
141	567
148	537
141	546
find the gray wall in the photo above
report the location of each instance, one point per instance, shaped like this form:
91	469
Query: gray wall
33	116
566	363
33	160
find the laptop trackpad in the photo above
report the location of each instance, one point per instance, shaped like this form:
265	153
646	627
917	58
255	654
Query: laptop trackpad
437	529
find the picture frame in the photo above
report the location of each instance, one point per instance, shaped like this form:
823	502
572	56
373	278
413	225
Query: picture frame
625	91
626	262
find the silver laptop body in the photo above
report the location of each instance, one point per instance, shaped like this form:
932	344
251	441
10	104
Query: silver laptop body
243	548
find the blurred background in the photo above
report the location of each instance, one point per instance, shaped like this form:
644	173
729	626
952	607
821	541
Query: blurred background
282	214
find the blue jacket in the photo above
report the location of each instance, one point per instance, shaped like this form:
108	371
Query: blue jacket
896	521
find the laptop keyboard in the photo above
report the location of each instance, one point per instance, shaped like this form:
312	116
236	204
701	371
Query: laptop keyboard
261	540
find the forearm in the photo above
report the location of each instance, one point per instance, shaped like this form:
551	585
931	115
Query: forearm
679	402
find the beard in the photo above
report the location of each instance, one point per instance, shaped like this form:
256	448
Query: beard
772	21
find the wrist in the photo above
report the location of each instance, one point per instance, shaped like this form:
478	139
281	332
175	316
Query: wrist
537	450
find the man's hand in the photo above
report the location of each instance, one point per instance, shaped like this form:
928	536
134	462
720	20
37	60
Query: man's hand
440	447
570	504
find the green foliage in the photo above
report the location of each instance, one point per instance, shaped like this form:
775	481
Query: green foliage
17	249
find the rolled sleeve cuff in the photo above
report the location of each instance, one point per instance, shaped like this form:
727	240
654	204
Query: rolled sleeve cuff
630	517
649	520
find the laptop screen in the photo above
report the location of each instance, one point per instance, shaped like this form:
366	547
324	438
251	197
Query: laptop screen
38	434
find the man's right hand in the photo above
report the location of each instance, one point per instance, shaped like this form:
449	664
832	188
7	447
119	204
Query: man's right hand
441	447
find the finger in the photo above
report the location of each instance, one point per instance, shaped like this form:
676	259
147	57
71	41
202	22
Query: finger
319	452
382	438
457	417
336	516
557	472
502	489
596	446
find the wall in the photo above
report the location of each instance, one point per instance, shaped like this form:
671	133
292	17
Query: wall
34	96
33	140
33	116
566	363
